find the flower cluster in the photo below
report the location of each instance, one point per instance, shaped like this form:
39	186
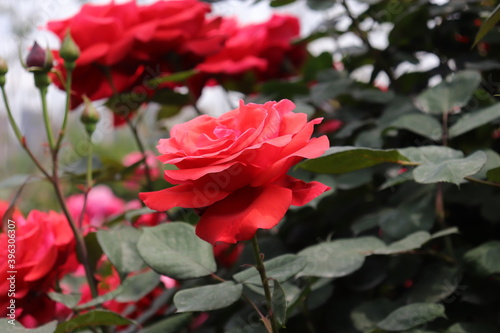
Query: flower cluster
124	46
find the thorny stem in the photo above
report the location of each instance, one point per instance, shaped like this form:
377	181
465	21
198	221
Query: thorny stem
81	249
265	282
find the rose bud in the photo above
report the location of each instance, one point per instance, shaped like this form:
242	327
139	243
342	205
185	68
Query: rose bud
39	59
90	117
69	51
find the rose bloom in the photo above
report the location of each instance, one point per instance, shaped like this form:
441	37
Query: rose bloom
102	205
234	167
122	44
264	49
44	253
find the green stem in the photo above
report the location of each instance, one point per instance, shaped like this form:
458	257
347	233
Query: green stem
439	203
133	128
46	120
484	182
11	118
21	138
88	186
62	131
81	248
265	282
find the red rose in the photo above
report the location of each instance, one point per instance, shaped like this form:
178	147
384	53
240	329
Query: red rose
122	44
44	252
236	166
265	49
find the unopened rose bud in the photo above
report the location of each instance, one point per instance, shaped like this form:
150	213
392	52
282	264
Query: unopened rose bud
69	51
39	59
90	117
3	70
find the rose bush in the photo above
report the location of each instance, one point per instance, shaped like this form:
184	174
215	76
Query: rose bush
235	166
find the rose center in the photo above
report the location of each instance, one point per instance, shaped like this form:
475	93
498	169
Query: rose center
224	132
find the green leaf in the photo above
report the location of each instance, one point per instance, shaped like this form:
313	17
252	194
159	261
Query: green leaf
435	283
493	162
328	90
13	326
120	246
410	242
278	304
409	217
471	328
175	77
472	120
452	93
280	268
207	298
174	250
412	315
172	324
91	319
487	25
69	300
494	175
347	159
430	154
279	3
484	259
338	258
320	4
137	286
419	123
452	171
366	316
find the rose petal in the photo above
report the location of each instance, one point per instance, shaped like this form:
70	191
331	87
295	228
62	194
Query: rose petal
302	192
237	217
186	196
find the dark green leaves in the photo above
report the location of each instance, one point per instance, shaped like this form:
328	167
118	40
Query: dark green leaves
450	94
120	246
172	324
207	298
410	316
347	159
452	171
338	258
174	250
484	259
280	268
487	25
422	124
470	121
91	319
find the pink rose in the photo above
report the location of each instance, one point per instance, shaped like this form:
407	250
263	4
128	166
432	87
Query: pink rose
101	204
235	167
